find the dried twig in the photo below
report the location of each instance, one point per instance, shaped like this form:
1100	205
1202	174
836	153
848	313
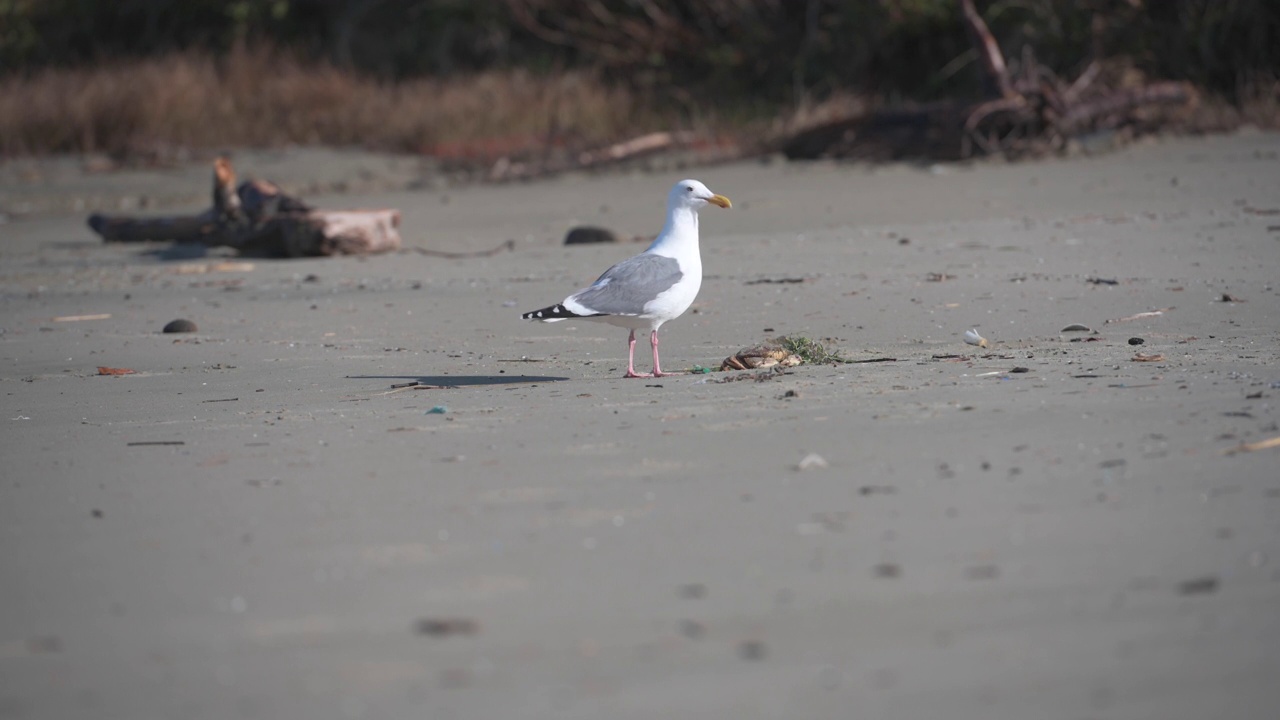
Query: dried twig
506	245
1254	446
1139	316
416	386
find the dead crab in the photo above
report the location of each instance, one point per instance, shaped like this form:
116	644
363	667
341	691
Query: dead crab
760	356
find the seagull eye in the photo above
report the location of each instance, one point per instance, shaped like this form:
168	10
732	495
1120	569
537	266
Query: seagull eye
688	188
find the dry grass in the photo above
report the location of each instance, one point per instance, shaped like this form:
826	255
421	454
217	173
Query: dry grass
261	98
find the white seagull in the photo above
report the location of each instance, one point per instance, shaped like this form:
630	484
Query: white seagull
659	284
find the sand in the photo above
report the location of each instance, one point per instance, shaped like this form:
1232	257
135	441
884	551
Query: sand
254	524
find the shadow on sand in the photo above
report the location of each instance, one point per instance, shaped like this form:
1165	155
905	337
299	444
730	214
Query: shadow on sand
464	380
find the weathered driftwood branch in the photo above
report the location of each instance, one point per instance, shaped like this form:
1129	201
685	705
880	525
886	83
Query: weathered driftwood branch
990	59
1121	102
507	169
1032	111
258	218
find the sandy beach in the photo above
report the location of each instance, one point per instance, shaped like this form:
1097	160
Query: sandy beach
257	524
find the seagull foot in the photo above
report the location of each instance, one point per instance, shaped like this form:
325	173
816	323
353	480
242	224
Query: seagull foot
638	375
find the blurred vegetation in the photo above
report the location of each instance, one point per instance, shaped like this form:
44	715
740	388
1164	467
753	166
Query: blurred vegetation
776	50
721	58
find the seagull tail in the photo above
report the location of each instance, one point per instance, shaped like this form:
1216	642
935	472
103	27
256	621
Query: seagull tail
555	313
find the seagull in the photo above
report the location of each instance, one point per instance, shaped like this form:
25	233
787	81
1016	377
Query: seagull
659	284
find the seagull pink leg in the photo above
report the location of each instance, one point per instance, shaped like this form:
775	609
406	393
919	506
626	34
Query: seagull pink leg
653	342
631	357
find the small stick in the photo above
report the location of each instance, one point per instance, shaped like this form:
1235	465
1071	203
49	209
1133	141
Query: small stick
508	245
1251	447
1139	316
416	386
78	318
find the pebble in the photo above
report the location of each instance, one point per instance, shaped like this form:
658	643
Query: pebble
442	627
1136	341
180	326
692	629
1198	586
583	235
888	570
752	650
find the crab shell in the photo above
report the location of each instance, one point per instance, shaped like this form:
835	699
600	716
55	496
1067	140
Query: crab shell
760	356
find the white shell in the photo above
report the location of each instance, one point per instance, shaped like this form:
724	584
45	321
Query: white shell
973	338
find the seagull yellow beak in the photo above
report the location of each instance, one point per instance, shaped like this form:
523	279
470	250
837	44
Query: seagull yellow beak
720	200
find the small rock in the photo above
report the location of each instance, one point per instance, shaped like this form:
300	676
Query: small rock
752	650
693	591
692	629
1198	586
585	234
1136	341
888	571
180	326
982	572
437	627
1077	327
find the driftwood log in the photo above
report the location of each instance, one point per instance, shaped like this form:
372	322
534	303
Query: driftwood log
258	218
1028	113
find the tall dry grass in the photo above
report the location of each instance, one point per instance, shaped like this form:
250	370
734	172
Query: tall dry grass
259	97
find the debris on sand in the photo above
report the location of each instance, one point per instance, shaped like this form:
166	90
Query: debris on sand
972	337
258	218
443	627
1198	586
783	352
811	352
812	461
1141	315
180	326
587	234
1254	446
761	356
102	370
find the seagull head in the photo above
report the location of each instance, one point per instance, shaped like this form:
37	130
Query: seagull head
694	195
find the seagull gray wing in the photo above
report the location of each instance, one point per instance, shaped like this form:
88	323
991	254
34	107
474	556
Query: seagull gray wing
626	288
